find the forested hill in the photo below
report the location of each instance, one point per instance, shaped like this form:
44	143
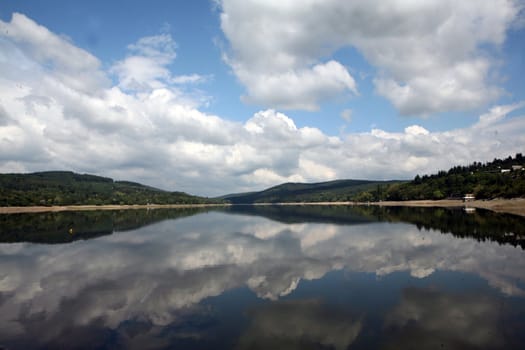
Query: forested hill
500	178
68	188
332	191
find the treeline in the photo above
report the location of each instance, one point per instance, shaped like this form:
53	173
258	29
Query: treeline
68	188
501	178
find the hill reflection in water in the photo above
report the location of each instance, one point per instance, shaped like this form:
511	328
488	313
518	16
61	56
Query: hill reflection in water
267	277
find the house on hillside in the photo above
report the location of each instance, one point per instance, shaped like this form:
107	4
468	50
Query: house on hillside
517	167
469	197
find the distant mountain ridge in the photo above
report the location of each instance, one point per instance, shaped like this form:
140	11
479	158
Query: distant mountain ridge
330	191
500	178
69	188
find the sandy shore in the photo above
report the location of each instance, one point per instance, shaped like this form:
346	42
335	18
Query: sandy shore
510	206
9	210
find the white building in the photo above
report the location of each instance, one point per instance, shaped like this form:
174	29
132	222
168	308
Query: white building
469	197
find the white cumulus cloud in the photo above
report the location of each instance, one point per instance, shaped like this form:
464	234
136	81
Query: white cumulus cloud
429	55
52	118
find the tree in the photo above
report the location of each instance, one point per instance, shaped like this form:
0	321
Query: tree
437	194
364	196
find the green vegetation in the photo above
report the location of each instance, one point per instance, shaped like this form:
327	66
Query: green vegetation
332	191
501	178
68	188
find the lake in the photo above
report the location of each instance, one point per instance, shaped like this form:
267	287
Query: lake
263	277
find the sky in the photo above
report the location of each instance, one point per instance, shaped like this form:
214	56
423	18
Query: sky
219	96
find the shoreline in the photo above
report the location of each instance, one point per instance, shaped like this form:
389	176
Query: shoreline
514	206
44	209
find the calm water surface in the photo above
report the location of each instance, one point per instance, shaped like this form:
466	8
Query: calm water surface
263	278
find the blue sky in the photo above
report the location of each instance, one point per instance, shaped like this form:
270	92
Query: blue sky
219	96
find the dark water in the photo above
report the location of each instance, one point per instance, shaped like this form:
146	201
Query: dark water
263	278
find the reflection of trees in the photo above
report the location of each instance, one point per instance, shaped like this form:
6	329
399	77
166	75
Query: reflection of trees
62	227
481	225
430	319
301	324
68	226
333	214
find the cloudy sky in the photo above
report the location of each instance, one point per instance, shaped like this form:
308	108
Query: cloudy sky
219	96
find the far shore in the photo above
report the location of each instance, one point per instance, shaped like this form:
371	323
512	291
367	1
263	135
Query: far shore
510	206
42	209
514	206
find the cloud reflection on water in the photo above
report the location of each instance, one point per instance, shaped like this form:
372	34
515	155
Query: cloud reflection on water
303	324
157	275
428	319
